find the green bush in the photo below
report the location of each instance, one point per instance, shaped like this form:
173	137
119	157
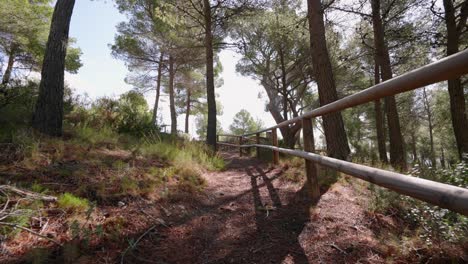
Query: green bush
27	141
16	108
438	224
92	136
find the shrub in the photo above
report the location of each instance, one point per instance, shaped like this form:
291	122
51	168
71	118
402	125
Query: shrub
71	203
294	169
295	172
93	137
129	185
437	224
28	142
161	175
190	179
181	152
36	187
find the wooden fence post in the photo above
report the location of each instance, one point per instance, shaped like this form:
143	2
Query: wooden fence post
311	168
274	137
240	144
257	140
217	140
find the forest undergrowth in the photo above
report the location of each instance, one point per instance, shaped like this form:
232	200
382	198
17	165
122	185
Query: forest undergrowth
78	192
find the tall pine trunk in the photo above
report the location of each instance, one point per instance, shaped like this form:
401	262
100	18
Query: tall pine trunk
335	134
11	61
442	158
187	110
379	122
158	90
284	85
455	88
413	146
172	96
210	88
397	152
427	108
48	115
288	139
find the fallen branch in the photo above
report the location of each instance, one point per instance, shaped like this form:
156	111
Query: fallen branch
333	245
45	198
30	231
133	245
158	220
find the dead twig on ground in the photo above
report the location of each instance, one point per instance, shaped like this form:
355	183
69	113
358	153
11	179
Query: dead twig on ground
45	198
133	245
30	231
333	245
158	220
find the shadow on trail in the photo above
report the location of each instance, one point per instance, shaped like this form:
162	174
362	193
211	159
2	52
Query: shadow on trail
264	227
277	231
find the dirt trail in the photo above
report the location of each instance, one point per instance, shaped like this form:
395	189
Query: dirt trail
249	215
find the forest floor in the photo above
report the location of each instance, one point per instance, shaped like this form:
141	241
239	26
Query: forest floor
251	214
248	213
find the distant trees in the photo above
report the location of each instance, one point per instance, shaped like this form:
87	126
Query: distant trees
171	47
24	28
212	18
382	60
48	116
140	42
155	42
275	52
190	89
402	35
243	123
455	19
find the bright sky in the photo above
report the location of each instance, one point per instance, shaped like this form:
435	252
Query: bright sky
94	26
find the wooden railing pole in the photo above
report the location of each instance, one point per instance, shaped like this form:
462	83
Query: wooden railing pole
274	138
310	166
257	140
240	144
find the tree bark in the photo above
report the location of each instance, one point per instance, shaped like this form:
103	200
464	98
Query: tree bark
335	134
171	96
11	61
48	115
289	140
379	122
289	133
158	89
187	110
427	108
413	146
442	158
455	88
210	88
397	152
284	85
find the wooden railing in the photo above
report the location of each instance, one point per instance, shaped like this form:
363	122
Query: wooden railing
443	195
